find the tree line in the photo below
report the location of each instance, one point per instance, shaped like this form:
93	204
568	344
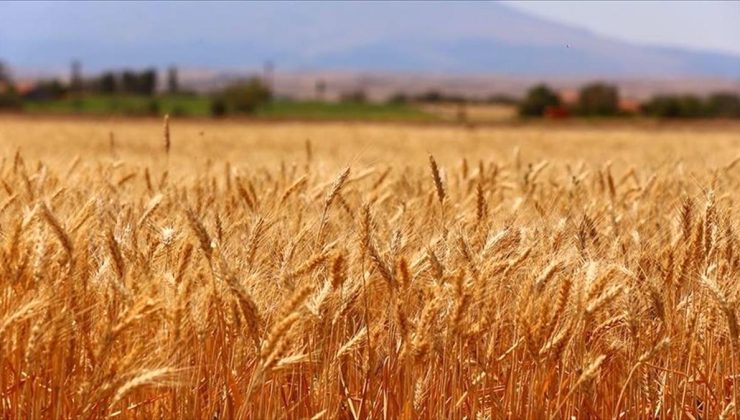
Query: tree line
603	100
247	95
239	97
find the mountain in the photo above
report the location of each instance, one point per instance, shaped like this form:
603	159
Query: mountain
433	37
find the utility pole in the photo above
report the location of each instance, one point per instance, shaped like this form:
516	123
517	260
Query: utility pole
320	89
173	84
75	78
268	72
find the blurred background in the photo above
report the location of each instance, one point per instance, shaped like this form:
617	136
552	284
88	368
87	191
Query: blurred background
457	62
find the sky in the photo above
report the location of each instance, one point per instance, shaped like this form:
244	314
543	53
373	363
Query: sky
712	25
430	35
709	25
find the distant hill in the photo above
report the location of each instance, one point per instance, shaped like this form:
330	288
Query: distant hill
436	37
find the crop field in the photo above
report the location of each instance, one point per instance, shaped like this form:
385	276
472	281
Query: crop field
350	270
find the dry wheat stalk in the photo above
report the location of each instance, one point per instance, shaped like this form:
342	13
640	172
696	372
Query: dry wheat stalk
589	288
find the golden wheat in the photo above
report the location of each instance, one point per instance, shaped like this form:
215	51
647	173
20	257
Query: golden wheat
251	273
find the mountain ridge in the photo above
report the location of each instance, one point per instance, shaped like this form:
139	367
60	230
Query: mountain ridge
433	37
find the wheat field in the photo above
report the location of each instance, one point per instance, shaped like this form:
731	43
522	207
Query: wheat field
234	270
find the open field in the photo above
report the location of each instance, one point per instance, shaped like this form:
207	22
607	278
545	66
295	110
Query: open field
473	113
200	106
296	270
131	105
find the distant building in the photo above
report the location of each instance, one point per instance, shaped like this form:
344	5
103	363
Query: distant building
569	97
24	87
569	100
629	105
557	112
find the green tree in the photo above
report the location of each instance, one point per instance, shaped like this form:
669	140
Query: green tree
107	83
242	98
141	83
46	90
675	106
724	105
9	98
5	75
399	98
218	107
148	82
129	81
432	96
539	98
598	99
355	96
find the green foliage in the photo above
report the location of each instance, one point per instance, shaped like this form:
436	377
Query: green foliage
598	99
153	107
242	98
435	96
5	78
668	106
193	105
432	96
218	107
718	105
724	105
179	111
181	105
9	98
47	90
538	100
107	83
399	98
356	96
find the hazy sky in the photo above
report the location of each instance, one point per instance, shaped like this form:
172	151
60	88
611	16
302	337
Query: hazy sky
713	25
433	36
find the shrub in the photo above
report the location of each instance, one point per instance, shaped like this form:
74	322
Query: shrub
671	106
218	107
153	107
598	99
242	98
179	111
355	96
9	98
399	98
725	105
